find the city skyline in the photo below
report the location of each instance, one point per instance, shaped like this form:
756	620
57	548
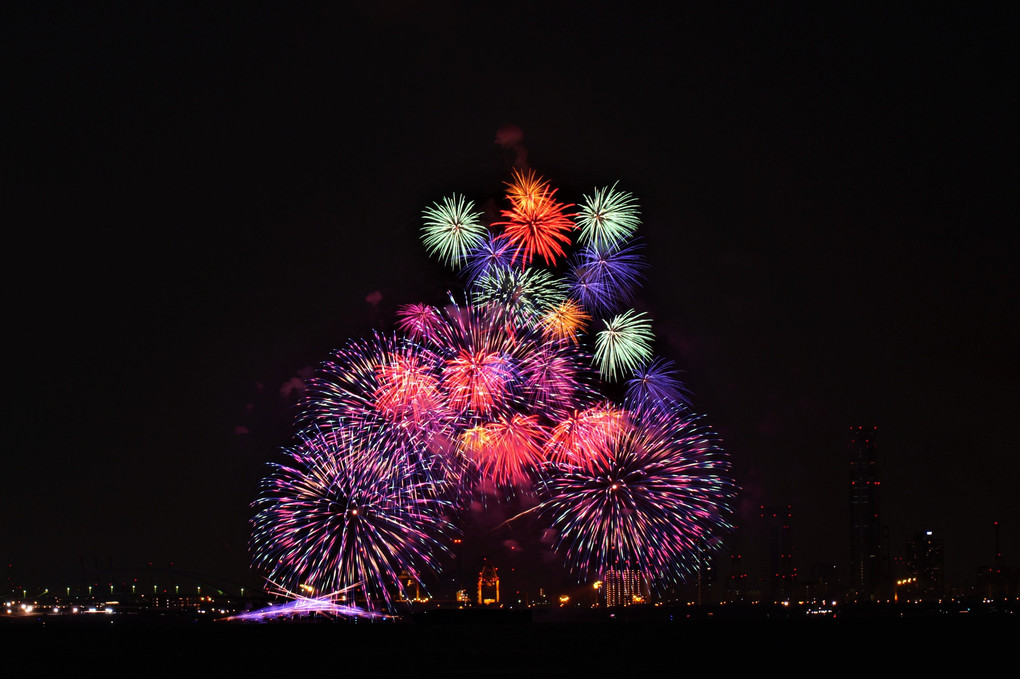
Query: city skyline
754	543
207	205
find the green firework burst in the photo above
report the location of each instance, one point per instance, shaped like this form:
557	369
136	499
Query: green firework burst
625	344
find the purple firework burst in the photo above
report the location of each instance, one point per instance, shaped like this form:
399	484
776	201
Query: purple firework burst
657	495
605	280
344	512
656	385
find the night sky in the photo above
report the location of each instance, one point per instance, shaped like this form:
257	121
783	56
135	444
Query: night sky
202	202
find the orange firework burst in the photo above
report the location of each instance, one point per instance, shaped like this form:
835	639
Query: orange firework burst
565	321
537	224
526	189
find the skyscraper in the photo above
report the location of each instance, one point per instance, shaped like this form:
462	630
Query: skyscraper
778	575
865	525
925	564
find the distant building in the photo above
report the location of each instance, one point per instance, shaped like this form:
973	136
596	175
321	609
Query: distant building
925	566
777	573
410	588
624	587
868	572
822	583
705	589
488	585
997	580
738	583
699	586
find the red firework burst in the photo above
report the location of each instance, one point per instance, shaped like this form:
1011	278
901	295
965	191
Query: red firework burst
477	381
536	223
506	451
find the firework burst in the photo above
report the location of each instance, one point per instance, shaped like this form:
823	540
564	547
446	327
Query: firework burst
624	344
556	377
565	321
656	385
584	436
536	224
419	321
343	512
508	451
478	381
384	379
497	394
526	293
452	229
493	253
526	188
607	218
657	496
604	280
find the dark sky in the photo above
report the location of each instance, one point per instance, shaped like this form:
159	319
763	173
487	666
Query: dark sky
200	200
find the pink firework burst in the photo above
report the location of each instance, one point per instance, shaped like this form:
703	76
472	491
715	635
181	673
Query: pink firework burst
420	322
477	381
408	390
584	437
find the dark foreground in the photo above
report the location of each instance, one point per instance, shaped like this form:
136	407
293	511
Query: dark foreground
524	646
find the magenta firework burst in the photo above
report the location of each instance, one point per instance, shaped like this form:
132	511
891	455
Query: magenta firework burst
649	493
502	390
346	510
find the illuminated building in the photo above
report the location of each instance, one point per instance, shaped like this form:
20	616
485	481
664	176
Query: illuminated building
488	585
778	574
624	587
705	580
738	582
866	548
410	589
924	563
996	580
